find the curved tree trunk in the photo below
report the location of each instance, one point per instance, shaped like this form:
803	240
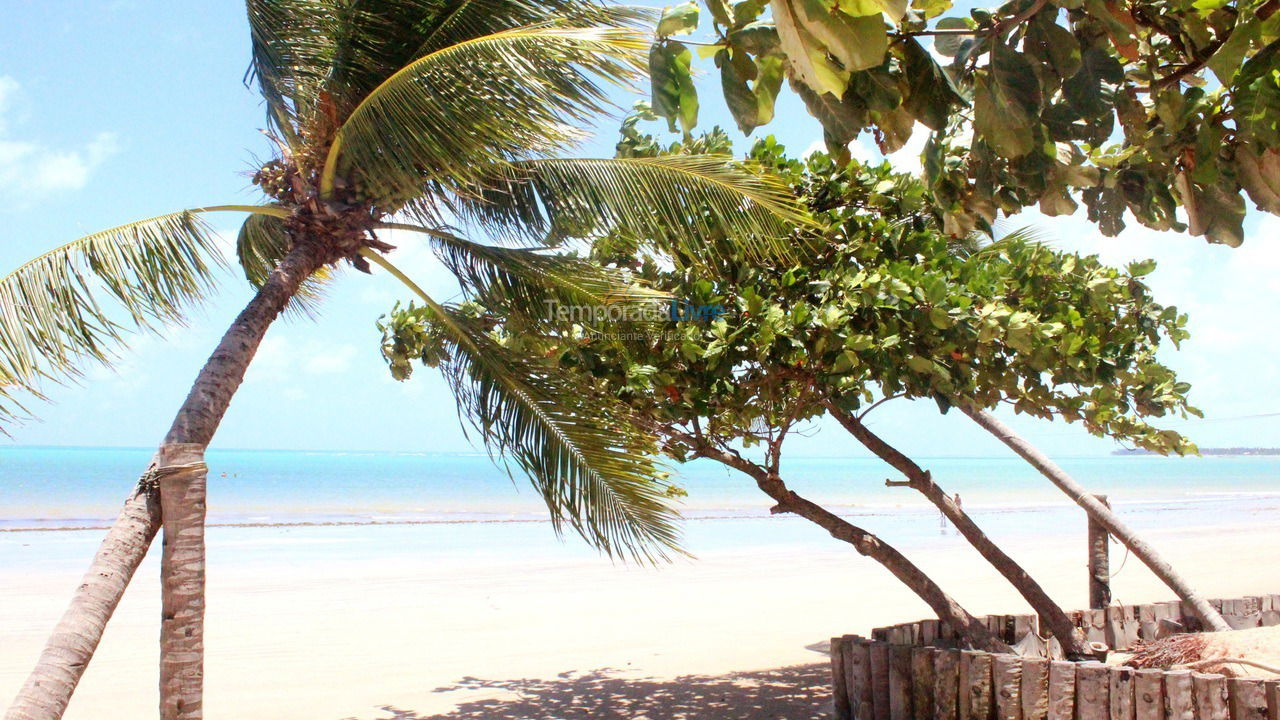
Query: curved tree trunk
1103	514
868	544
69	649
1051	614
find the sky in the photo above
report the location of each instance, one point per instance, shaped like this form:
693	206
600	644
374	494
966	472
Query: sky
113	111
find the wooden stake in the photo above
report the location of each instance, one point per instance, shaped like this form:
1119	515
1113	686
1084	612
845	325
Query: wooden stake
1093	686
1121	693
1035	688
1248	699
946	685
838	683
1179	692
1062	690
857	669
880	681
1148	694
1006	685
1211	696
900	682
922	682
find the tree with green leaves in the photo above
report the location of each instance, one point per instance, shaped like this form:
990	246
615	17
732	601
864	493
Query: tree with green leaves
1144	106
885	305
409	115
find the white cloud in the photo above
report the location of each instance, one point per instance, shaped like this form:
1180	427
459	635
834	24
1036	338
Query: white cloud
30	170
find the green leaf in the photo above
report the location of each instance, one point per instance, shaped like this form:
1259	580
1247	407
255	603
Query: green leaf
581	450
721	13
931	96
1085	91
1053	45
1006	103
1226	62
857	42
806	54
679	19
894	9
457	112
1257	97
673	93
74	304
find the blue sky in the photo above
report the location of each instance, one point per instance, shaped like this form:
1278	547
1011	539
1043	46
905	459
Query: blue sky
111	111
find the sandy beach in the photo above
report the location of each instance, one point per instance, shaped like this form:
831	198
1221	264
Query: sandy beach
377	622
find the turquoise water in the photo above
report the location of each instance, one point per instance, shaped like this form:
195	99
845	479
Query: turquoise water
48	488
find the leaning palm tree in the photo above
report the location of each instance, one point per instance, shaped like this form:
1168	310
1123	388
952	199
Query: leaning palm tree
443	118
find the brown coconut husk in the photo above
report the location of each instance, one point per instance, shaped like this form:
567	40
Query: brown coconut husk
1237	653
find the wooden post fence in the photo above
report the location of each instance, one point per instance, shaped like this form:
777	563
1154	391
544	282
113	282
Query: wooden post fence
916	671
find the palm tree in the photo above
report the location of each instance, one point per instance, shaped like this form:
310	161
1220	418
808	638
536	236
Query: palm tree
413	115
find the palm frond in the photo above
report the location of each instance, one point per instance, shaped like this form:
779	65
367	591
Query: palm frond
75	302
526	280
347	48
451	114
261	244
292	49
591	465
687	204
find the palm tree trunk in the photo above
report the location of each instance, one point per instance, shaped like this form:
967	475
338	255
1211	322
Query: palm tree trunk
947	609
74	638
1051	614
69	649
1103	514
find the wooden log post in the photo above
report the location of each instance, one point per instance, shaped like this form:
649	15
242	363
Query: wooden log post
1062	690
946	685
900	682
922	682
975	685
1093	689
1211	696
857	669
1273	700
1248	699
1099	561
1006	686
1035	688
1148	694
839	686
880	681
1179	693
1120	693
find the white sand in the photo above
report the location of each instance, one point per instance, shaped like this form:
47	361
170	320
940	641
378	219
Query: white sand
293	637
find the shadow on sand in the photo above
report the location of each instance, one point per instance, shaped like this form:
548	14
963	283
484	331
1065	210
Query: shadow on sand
793	693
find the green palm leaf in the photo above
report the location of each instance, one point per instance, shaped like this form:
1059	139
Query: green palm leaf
347	48
590	463
525	280
76	301
455	112
690	204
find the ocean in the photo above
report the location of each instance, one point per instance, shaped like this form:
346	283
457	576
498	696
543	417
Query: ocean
475	504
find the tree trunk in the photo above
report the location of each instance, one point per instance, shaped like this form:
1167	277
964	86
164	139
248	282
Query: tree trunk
1051	614
182	500
74	638
68	651
947	609
1108	519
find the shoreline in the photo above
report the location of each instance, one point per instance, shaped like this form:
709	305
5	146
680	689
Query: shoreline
913	506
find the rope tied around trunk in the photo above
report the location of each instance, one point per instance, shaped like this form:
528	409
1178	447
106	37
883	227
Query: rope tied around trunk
150	480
